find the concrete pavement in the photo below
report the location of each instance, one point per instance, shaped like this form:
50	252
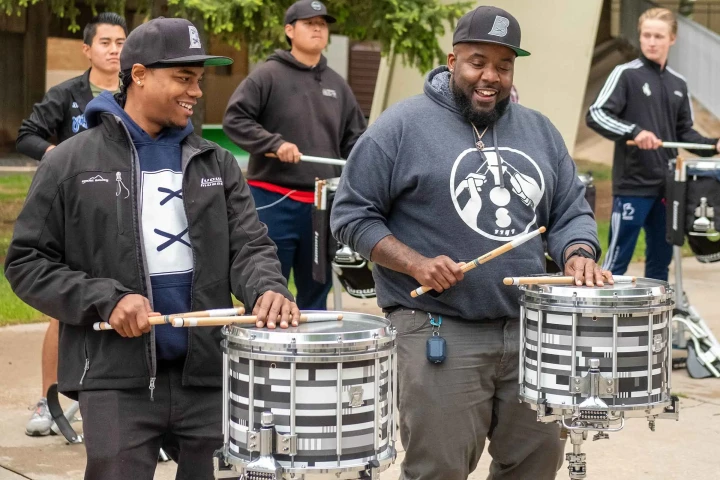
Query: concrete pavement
676	450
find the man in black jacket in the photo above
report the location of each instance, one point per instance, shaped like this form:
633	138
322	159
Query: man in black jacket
648	102
291	104
134	216
59	116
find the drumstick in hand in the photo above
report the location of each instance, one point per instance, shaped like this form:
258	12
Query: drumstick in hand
312	159
248	320
487	257
686	146
161	319
554	280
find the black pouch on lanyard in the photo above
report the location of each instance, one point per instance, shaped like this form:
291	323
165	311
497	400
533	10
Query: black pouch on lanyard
436	347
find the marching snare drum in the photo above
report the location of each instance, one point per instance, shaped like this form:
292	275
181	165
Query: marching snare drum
310	402
350	267
692	199
592	356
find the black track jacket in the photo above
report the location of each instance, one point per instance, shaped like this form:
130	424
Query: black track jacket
637	96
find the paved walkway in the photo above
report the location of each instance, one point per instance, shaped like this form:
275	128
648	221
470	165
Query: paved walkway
676	450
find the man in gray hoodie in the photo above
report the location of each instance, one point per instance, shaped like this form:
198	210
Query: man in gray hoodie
440	179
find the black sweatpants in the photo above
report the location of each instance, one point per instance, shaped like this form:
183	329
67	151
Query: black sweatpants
124	430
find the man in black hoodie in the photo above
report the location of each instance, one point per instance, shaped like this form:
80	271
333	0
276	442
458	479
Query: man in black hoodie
293	104
646	101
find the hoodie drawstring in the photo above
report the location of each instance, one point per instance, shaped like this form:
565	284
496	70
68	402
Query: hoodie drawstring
499	158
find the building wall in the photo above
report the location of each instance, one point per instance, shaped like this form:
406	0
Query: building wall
552	80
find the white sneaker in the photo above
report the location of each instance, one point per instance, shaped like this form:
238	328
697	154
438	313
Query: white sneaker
41	421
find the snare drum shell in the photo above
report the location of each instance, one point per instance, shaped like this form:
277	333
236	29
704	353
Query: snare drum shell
629	334
296	372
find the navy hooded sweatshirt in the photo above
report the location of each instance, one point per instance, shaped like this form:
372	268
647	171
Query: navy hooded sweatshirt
163	221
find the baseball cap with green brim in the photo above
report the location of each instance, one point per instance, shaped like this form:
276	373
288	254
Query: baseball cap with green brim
490	25
167	42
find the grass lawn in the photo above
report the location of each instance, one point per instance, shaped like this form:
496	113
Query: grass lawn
13	189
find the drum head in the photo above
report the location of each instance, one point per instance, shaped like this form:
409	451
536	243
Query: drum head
355	330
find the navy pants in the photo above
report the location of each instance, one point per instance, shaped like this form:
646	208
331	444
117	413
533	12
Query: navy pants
629	215
289	225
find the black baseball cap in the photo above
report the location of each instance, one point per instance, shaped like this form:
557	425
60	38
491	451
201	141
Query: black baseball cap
166	42
489	25
307	9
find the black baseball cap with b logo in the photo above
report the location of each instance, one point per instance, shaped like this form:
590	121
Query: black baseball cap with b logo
489	25
166	42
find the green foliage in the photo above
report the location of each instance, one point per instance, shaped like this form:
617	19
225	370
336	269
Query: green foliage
408	28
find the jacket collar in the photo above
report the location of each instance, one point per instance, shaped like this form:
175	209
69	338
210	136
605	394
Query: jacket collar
85	92
652	65
192	143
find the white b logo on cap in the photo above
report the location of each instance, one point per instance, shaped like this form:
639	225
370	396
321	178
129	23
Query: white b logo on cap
194	37
316	6
499	28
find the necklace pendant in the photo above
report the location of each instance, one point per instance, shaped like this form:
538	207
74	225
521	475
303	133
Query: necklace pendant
479	144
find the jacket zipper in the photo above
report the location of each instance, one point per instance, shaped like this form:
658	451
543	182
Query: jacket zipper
118	201
192	290
149	344
87	360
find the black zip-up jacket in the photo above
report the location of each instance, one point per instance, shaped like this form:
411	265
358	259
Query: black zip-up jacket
284	100
77	250
60	114
637	96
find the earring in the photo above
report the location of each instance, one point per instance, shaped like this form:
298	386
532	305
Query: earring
451	71
139	82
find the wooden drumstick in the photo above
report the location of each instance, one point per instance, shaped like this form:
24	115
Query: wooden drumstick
554	280
312	159
161	319
686	146
487	257
248	320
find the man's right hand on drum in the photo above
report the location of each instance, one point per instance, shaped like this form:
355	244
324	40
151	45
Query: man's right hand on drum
271	307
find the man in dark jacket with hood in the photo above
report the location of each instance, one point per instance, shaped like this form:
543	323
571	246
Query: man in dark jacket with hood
137	216
442	178
59	116
291	104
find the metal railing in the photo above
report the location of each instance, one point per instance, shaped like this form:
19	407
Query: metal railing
695	55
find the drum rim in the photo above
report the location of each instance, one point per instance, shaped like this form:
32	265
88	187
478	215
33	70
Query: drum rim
283	341
559	407
618	297
385	459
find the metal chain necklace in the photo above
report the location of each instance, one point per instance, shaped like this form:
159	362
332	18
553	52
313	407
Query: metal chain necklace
479	144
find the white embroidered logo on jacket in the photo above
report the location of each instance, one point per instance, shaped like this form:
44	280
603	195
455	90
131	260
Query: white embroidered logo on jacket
508	205
211	182
646	90
96	178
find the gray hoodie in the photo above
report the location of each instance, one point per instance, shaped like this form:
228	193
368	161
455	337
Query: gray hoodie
417	175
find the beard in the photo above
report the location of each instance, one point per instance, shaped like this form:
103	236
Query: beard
472	114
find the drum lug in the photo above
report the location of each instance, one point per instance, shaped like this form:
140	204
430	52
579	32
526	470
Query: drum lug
265	466
672	411
594	383
285	444
221	469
